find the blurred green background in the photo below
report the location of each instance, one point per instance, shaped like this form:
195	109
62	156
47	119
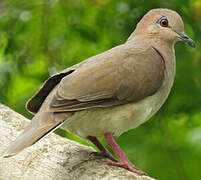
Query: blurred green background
39	38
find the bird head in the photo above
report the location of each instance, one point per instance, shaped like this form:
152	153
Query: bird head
164	24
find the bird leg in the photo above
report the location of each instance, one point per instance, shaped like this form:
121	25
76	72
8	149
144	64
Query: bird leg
103	151
124	162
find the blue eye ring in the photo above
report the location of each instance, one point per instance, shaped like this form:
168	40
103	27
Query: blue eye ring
163	22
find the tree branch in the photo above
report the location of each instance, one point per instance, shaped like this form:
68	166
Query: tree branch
52	158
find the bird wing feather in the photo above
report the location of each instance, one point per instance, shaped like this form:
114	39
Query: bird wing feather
127	73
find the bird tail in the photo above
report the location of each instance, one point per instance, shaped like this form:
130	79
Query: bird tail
32	133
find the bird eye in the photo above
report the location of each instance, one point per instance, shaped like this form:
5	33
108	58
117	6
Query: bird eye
163	22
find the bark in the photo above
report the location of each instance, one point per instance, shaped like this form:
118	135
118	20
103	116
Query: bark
53	157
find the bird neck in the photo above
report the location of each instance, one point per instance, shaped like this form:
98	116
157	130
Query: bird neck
165	48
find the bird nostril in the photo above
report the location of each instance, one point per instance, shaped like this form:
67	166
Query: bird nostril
186	37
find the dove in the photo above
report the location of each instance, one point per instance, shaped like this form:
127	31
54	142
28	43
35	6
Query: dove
110	93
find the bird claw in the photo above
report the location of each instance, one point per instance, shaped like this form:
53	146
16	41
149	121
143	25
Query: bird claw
127	166
104	154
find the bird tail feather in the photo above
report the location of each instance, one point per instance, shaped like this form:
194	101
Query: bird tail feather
32	133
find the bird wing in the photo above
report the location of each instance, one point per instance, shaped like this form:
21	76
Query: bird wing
127	73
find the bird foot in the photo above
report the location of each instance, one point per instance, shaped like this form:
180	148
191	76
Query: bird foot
105	154
127	166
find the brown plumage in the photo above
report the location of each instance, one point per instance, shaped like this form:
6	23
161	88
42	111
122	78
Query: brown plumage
129	77
112	92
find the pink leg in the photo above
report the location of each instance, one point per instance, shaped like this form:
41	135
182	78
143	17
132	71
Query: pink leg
103	151
124	162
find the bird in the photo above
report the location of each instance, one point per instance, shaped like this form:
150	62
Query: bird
112	92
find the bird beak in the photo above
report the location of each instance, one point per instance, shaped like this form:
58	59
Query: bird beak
185	38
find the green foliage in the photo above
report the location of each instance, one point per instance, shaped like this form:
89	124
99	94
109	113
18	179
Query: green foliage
39	38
